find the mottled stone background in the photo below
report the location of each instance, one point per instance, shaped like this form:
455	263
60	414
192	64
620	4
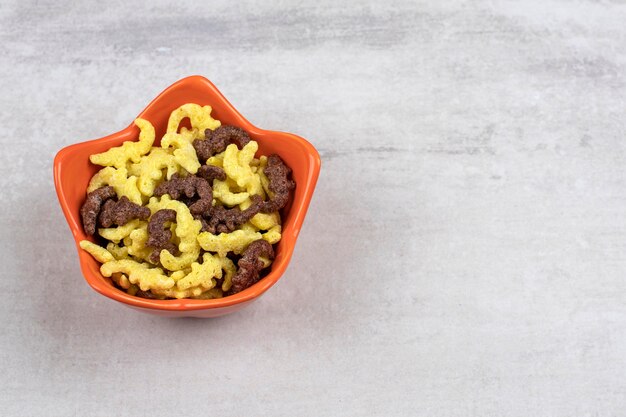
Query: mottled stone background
465	251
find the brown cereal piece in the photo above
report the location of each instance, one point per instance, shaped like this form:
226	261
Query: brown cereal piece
233	134
250	265
277	173
222	220
145	294
92	206
217	140
121	212
211	172
180	187
160	237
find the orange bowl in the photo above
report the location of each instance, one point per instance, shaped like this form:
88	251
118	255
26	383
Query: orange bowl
72	172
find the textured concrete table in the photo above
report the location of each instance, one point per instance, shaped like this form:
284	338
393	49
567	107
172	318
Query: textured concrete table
465	252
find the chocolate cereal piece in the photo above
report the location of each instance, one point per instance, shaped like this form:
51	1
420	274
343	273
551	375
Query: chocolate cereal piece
160	237
222	220
211	172
179	187
250	265
92	205
145	294
277	173
217	140
121	212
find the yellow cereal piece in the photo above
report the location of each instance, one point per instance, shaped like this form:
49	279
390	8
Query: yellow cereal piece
223	243
137	245
149	170
255	187
178	275
187	229
176	293
121	280
132	290
265	182
173	263
222	192
237	162
266	261
237	167
199	116
141	274
229	269
130	150
273	235
116	234
248	228
98	252
217	160
184	152
210	294
202	275
118	252
265	221
118	179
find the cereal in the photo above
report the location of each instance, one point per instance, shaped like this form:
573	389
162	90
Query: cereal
223	243
211	172
117	178
216	160
158	236
279	183
187	229
192	218
237	167
149	170
142	274
130	150
118	252
188	186
216	141
222	192
199	117
229	269
121	280
116	234
210	294
262	221
273	235
176	293
250	265
222	220
98	252
202	275
231	134
121	212
137	244
184	153
92	206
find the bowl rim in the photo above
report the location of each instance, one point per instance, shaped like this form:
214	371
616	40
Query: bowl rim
184	304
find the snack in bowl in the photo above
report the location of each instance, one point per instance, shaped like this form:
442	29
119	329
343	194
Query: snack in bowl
72	172
195	217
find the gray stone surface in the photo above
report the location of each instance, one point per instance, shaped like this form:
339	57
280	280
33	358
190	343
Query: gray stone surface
465	251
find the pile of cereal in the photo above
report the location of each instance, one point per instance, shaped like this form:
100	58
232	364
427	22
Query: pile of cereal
193	218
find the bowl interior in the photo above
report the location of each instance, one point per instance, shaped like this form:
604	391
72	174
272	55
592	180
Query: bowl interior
72	172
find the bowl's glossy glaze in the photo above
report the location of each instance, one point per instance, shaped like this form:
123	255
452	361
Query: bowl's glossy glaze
72	172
